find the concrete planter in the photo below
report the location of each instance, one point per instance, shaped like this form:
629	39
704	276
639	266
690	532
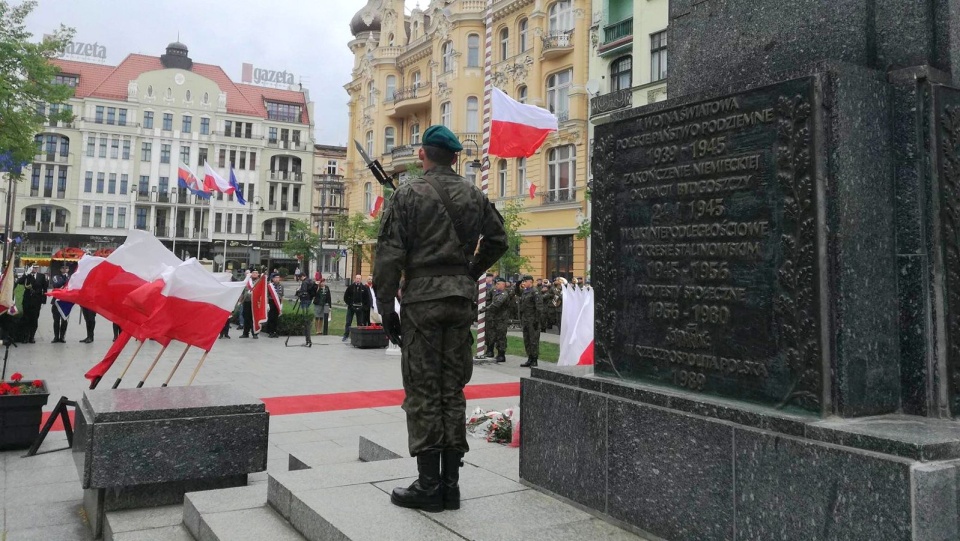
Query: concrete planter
20	417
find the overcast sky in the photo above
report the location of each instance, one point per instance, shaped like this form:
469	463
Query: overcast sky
306	37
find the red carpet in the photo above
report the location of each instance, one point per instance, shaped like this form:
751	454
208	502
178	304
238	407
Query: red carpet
314	403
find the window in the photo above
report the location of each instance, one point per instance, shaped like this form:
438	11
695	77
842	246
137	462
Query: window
112	183
204	126
114	148
185	154
97	216
124	179
521	175
242	160
168	121
35	182
370	93
415	79
164	153
473	115
98	115
446	56
222	161
253	162
188	97
109	220
295	136
389	138
445	111
69	80
150	91
228	127
561	17
206	97
473	50
284	112
62	183
141	218
148	119
559	256
391	87
561	173
558	94
238	129
621	73
504	43
248	131
85	219
30	215
121	217
367	197
187	124
370	143
100	182
48	182
122	118
658	56
233	158
91	146
202	156
522	94
272	138
415	133
522	35
146	151
502	178
103	146
126	148
144	187
111	115
164	185
332	168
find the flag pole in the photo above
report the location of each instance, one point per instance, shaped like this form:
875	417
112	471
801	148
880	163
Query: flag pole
485	168
152	365
197	369
176	366
117	383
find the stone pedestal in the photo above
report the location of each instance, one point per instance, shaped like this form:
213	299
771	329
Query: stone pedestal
148	447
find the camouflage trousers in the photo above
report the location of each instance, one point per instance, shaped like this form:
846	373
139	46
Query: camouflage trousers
497	334
531	336
436	363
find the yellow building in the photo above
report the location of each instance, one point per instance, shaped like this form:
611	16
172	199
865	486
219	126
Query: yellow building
412	71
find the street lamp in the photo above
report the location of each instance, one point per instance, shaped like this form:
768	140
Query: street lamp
259	203
476	164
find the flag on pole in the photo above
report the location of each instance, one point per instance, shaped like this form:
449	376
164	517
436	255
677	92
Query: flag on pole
377	205
533	190
63	308
186	179
236	187
8	304
576	327
516	129
100	369
258	303
213	182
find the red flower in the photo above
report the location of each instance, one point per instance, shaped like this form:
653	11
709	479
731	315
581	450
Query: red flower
15	390
38	383
5	387
2	391
17	376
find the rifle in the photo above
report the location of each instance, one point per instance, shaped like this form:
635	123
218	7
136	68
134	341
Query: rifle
374	166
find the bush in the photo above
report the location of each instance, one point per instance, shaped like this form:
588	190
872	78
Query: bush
292	324
283	271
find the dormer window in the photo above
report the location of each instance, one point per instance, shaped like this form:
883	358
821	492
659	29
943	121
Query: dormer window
283	112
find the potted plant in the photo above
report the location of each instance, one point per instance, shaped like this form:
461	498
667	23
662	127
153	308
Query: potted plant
369	337
21	410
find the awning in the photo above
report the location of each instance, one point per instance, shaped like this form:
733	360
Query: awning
69	254
31	259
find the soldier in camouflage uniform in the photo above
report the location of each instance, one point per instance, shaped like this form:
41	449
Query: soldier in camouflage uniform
546	319
498	316
437	253
531	310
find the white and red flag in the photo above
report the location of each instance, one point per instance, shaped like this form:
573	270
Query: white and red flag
517	130
377	205
258	303
576	327
212	181
8	304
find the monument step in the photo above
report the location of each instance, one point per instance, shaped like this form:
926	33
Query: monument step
235	513
148	524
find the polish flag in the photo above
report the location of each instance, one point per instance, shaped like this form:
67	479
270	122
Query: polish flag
377	205
533	190
576	327
517	130
213	182
192	306
99	370
186	179
73	292
8	304
258	303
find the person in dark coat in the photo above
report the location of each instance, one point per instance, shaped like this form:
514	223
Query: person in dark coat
357	299
248	306
90	319
322	304
59	322
441	233
34	296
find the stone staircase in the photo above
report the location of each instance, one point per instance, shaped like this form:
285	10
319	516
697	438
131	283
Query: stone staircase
345	501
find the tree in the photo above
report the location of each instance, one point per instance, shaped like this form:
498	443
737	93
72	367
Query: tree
512	262
303	243
27	83
353	230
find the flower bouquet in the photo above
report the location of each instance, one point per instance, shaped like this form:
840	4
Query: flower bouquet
493	426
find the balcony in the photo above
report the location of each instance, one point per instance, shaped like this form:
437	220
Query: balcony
616	36
559	197
181	232
44	227
53	157
556	44
105	122
288	145
404	156
279	236
160	231
410	99
327	179
613	101
295	176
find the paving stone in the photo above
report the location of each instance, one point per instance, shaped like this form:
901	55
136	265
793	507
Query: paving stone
314	455
43	494
516	515
24	517
499	459
372	451
262	523
63	532
196	504
592	529
360	513
167	533
474	483
46	460
43	476
300	436
142	519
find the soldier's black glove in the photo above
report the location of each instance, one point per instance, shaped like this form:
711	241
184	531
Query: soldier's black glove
391	322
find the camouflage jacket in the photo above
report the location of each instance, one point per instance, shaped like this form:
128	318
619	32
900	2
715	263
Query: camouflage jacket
500	306
531	304
417	233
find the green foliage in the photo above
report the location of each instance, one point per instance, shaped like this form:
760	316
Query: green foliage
354	230
512	262
583	230
292	324
26	80
303	242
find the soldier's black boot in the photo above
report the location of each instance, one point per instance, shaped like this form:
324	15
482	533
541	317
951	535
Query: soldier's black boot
425	492
489	353
502	357
450	465
530	362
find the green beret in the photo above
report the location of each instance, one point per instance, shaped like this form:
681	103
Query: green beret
500	280
526	277
441	137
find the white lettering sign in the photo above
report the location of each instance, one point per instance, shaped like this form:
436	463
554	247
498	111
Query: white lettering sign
261	76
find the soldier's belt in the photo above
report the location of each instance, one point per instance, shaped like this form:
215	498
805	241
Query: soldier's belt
438	270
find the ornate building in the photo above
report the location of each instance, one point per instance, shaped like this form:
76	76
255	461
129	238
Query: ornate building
114	168
427	67
329	163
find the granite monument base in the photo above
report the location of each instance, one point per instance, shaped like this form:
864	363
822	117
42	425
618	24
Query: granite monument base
683	466
148	447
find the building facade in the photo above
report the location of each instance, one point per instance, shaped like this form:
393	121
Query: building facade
412	71
114	168
329	165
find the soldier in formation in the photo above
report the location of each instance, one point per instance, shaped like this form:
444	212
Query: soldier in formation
498	316
531	311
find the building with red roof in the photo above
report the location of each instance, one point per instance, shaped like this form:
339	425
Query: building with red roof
115	167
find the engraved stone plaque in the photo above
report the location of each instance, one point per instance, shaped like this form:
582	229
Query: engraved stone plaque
705	246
